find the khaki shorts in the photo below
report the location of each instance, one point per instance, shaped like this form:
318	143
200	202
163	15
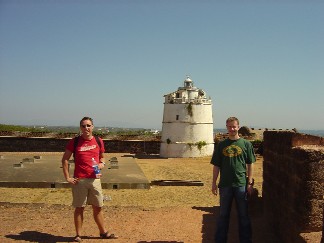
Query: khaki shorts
87	192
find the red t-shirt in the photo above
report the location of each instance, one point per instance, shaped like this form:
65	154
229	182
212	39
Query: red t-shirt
85	151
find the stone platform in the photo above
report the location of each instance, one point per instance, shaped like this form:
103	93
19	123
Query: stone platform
34	170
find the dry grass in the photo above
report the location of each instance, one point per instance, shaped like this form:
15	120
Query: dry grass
197	169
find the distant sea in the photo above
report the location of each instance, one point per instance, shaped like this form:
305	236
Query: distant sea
319	133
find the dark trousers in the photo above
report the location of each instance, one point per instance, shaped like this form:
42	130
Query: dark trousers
227	194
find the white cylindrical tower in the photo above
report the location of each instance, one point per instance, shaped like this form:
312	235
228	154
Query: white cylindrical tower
187	126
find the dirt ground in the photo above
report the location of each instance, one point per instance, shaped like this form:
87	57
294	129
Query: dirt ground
162	214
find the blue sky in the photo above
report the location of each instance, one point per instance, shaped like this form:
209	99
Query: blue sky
261	61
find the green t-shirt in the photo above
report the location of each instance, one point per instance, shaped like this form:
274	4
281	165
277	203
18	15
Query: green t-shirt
231	156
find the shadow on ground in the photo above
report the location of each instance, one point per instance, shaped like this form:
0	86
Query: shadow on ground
35	236
148	156
157	241
260	229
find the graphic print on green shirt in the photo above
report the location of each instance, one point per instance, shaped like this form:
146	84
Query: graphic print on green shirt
232	151
231	156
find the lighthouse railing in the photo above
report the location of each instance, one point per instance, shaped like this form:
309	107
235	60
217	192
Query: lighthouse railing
186	100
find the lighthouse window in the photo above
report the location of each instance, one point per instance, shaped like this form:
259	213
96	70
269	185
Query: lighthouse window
177	117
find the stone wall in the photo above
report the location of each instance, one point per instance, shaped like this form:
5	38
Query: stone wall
293	178
21	144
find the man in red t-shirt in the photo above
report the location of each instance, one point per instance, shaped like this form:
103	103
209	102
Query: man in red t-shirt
86	184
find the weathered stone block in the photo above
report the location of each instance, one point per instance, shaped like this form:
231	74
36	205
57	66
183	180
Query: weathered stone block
293	183
18	165
314	189
114	163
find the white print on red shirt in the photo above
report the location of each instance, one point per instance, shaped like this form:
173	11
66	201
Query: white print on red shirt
86	148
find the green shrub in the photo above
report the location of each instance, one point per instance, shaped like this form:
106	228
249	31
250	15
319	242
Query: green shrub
201	144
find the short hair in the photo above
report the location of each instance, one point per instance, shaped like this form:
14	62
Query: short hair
233	118
86	118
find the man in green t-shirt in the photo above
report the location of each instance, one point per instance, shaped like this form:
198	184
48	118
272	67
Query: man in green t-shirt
233	159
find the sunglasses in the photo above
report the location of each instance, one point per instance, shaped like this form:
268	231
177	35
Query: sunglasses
84	126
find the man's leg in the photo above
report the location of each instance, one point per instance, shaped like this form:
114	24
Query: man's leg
78	219
245	228
99	219
226	198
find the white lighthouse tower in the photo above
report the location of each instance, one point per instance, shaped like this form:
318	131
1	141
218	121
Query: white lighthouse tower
187	126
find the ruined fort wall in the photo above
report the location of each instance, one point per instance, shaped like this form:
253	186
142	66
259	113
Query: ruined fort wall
293	178
22	144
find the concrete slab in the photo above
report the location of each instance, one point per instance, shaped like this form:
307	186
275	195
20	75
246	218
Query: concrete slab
46	172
